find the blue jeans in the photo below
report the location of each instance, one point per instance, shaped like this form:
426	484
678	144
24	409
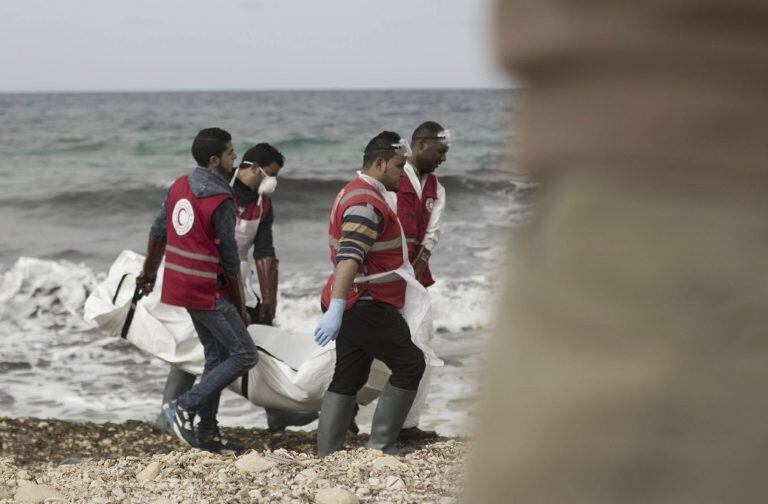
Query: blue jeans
229	354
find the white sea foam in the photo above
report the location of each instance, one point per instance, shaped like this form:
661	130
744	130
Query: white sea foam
457	304
54	364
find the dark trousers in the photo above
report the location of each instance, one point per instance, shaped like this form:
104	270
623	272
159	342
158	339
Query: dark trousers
229	353
374	330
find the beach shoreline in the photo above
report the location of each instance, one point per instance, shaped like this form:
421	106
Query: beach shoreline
116	462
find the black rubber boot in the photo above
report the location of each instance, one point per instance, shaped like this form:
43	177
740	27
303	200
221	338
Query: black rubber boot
177	383
394	404
335	415
278	420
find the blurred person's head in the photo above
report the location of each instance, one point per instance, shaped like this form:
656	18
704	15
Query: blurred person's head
384	159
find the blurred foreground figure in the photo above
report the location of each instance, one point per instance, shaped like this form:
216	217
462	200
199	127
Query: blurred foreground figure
631	363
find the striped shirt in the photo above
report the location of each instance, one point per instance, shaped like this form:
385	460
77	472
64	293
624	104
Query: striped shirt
360	228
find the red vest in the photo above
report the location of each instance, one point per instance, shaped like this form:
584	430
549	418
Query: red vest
414	214
385	255
248	221
192	265
252	213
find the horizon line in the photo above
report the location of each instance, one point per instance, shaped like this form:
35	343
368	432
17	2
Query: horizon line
511	87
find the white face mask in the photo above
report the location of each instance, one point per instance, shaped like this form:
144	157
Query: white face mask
268	185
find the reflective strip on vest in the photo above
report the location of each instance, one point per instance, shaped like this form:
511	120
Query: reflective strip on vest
377	246
191	255
391	277
357	192
413	240
188	271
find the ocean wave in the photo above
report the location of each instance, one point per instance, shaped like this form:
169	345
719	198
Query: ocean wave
161	146
457	304
84	146
37	294
295	196
55	364
92	201
301	142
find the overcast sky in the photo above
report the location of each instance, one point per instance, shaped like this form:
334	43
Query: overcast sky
95	45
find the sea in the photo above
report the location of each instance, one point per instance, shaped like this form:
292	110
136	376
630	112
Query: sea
83	175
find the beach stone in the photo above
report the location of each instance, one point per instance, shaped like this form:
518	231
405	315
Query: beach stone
149	473
118	492
394	482
335	496
22	474
253	463
70	461
306	474
322	483
388	462
37	494
162	500
5	493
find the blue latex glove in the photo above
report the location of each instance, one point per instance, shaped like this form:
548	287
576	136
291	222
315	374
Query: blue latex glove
330	323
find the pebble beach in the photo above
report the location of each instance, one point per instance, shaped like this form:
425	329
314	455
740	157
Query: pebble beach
65	461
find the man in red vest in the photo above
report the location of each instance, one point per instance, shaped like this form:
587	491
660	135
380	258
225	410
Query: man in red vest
362	314
253	183
420	204
195	229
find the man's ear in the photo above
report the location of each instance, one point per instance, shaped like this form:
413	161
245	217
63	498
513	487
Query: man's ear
214	161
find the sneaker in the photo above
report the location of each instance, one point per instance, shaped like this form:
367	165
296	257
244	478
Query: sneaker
180	422
414	433
215	444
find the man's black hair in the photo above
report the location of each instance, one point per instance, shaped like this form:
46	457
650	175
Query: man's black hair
427	130
209	142
264	155
380	147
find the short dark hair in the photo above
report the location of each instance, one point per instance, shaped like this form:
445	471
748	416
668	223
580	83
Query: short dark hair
209	142
264	155
428	129
380	147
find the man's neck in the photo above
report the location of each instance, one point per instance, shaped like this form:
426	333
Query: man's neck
215	171
371	179
415	168
253	186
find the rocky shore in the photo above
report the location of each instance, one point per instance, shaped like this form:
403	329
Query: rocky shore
61	461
